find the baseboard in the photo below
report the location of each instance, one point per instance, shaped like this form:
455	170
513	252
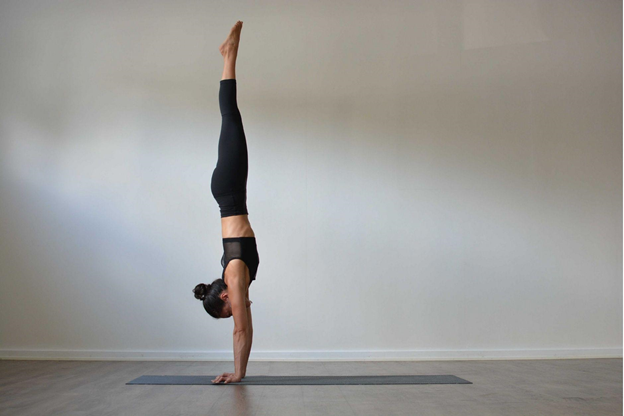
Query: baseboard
377	355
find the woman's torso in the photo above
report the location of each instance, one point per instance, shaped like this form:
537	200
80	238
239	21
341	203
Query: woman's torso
236	226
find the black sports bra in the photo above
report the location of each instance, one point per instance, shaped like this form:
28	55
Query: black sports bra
243	248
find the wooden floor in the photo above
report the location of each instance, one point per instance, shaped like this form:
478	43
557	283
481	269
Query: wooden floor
537	387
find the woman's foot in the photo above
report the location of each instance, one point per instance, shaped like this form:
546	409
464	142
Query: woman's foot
229	48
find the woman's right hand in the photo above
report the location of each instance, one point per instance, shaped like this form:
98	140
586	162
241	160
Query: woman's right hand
227	378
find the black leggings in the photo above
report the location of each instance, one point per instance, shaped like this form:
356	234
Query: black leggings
229	178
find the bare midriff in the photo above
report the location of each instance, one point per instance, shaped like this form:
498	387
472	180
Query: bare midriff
236	226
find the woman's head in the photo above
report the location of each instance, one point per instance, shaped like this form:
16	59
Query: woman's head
215	298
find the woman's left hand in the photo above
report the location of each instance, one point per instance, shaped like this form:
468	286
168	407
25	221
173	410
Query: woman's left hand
227	378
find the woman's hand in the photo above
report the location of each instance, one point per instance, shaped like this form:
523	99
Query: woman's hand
227	378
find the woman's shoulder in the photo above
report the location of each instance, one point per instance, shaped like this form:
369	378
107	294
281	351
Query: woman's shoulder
236	272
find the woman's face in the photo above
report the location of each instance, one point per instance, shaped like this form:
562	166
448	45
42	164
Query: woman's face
226	312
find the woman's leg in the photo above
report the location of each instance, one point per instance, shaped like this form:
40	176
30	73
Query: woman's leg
229	179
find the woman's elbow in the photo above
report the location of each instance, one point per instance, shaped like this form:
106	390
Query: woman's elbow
241	330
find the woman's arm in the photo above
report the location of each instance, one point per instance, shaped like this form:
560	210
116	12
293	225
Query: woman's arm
242	346
250	337
242	325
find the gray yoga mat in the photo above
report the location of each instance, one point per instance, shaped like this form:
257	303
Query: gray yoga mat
302	380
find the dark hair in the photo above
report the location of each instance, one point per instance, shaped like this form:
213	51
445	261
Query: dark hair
209	295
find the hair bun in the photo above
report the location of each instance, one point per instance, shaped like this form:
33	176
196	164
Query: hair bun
201	291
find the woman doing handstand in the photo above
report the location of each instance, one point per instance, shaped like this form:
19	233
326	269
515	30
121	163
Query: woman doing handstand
229	296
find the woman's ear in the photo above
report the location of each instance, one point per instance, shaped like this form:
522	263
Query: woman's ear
224	296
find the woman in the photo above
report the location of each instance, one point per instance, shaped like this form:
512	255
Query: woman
229	296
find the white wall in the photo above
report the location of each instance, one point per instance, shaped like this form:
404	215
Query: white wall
431	179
